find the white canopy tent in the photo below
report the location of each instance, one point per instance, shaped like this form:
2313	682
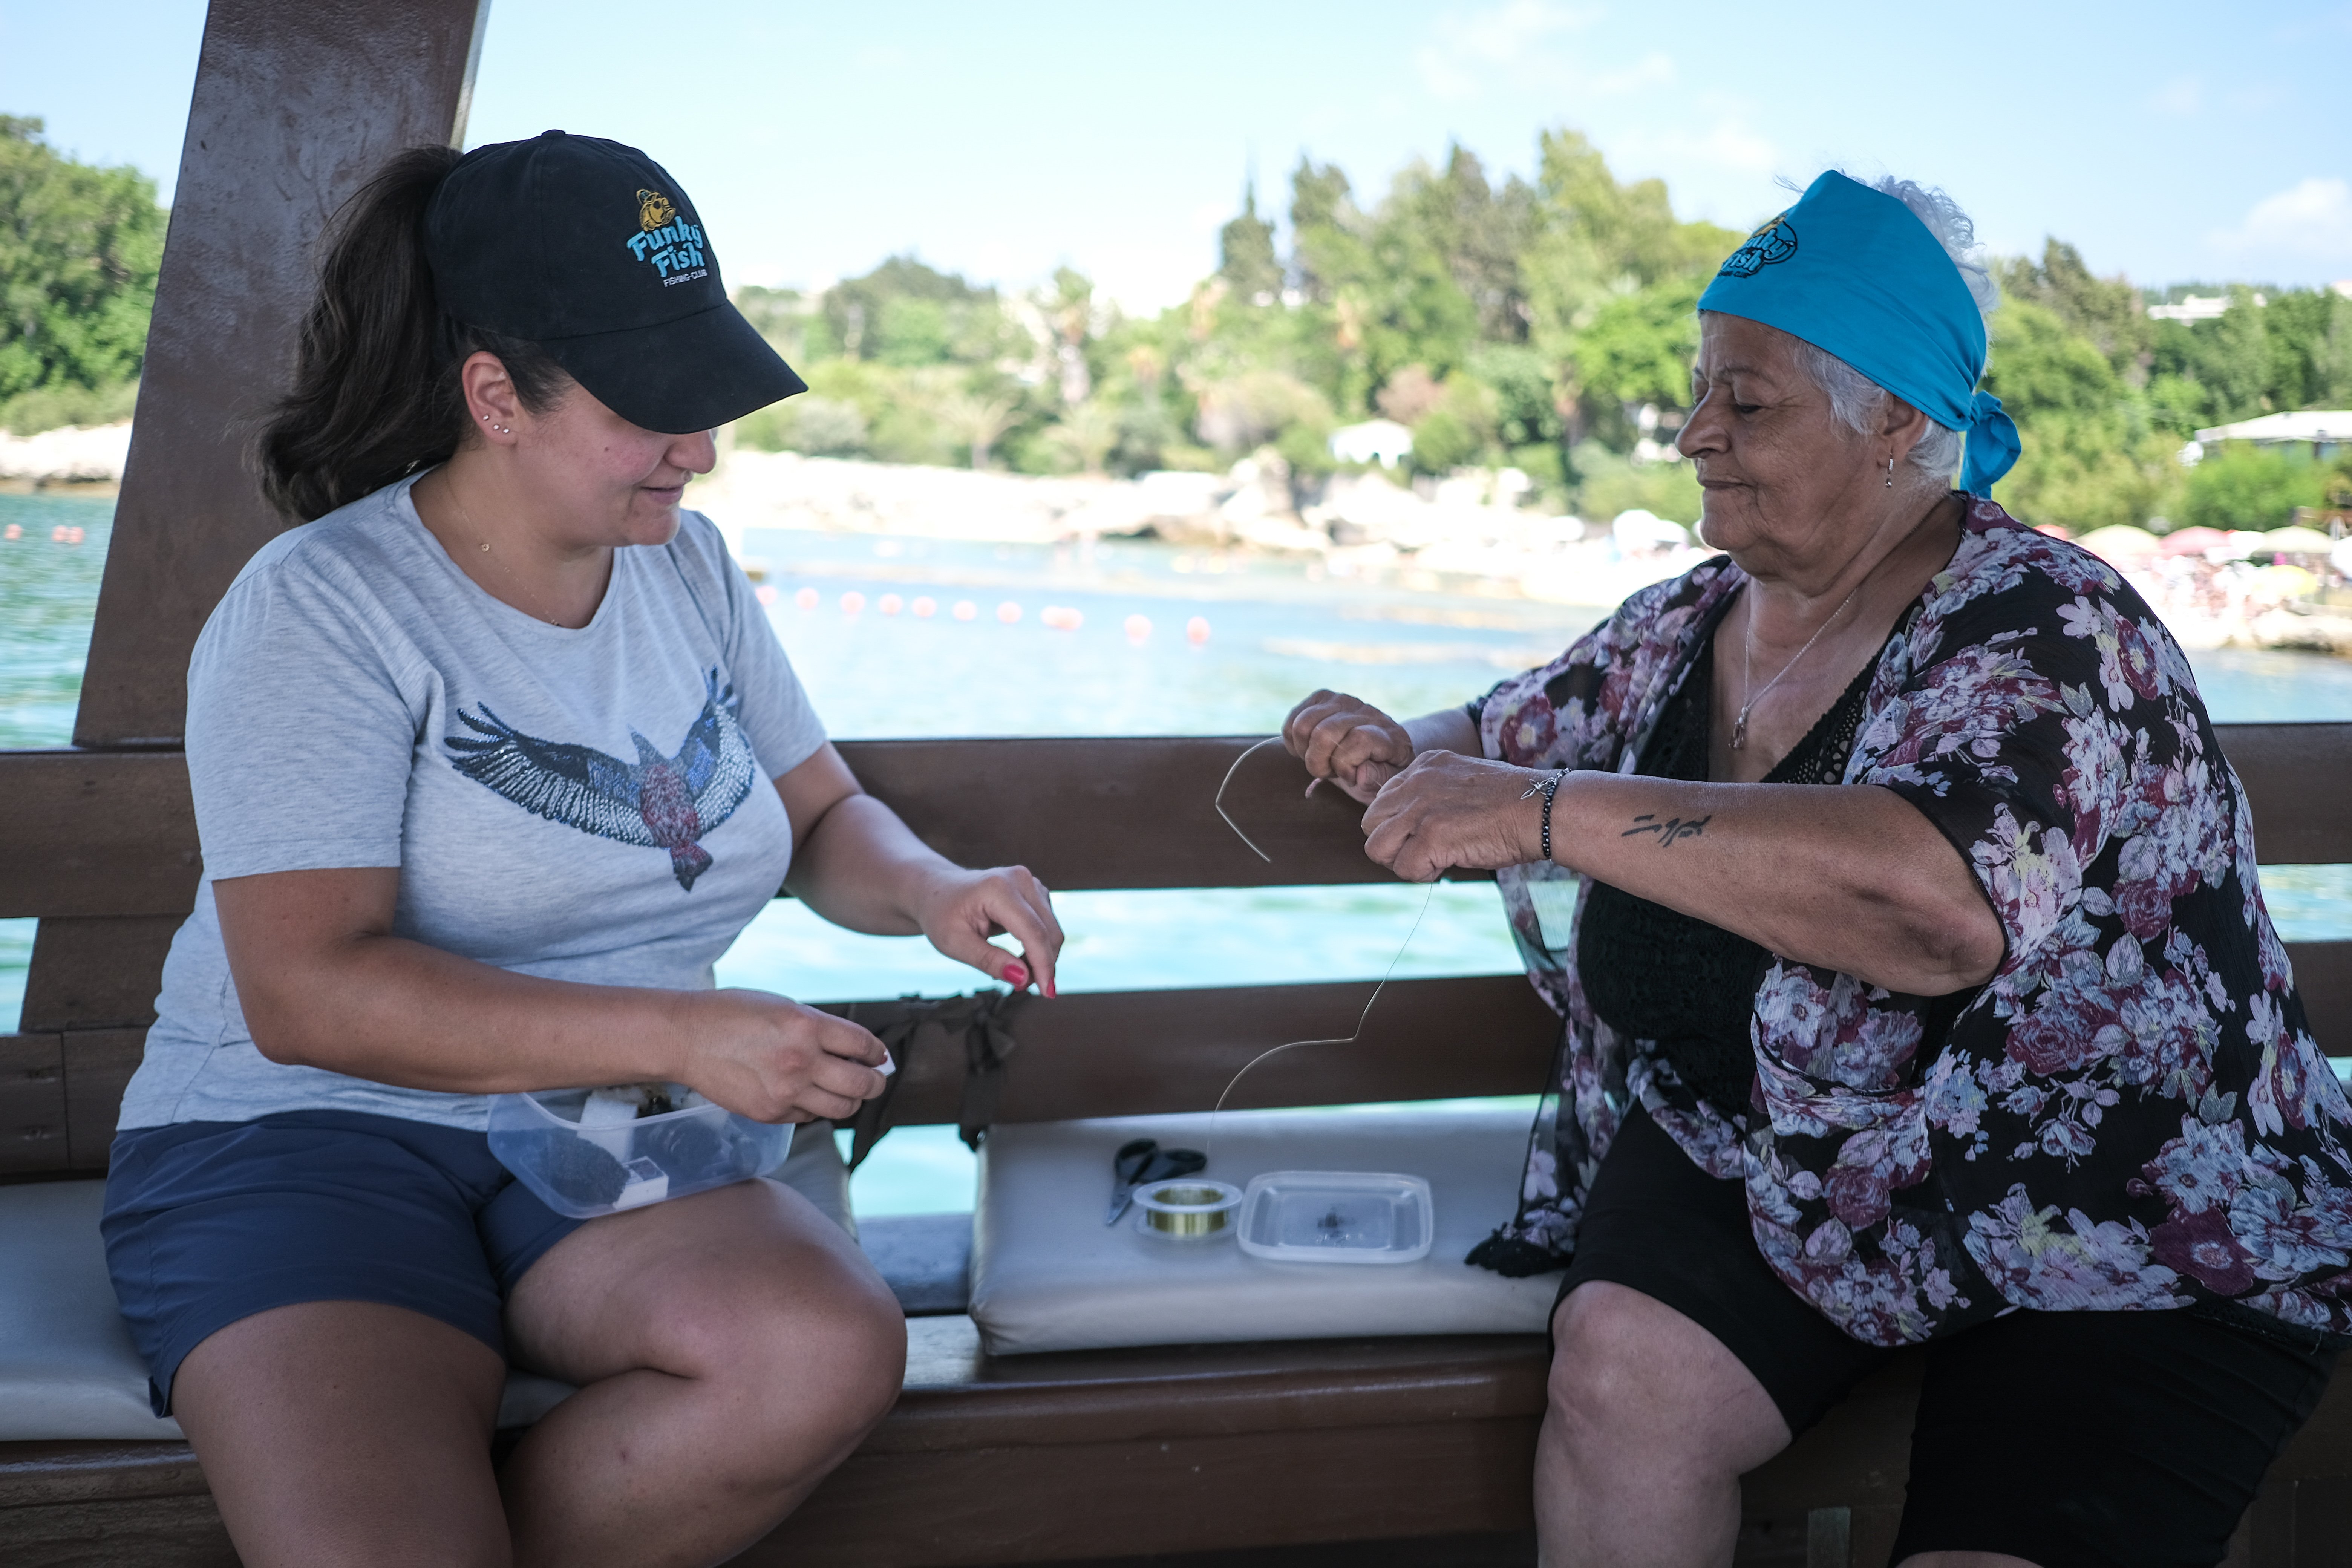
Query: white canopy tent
2325	429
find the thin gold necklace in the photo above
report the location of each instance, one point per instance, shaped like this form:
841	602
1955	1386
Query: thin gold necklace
1747	634
1747	661
450	490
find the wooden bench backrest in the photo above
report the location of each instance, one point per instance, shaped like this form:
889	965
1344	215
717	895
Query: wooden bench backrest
296	102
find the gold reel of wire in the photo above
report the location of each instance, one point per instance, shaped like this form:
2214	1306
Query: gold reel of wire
1187	1208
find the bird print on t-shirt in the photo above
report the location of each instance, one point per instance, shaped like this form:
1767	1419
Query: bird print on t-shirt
662	803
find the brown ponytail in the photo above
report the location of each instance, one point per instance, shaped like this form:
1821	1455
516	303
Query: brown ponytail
375	394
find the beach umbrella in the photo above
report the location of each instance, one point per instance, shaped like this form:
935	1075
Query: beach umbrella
2121	541
2193	541
2296	542
2286	581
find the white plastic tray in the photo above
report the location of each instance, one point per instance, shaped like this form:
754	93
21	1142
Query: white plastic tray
1336	1217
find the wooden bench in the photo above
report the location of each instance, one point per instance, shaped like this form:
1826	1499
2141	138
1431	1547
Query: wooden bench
1412	1451
1104	1453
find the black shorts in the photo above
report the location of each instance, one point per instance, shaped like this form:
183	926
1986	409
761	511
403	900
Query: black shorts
2065	1438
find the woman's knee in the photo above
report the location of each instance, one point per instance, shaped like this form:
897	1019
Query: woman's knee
830	1351
1602	1337
1630	1374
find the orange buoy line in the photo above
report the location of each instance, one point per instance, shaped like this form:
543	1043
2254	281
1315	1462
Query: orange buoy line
1055	617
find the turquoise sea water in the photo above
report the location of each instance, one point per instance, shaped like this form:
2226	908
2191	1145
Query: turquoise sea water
1273	632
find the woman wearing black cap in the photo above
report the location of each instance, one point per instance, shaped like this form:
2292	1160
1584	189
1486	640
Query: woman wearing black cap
493	757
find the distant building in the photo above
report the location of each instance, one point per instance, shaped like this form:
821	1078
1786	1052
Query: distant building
2196	308
2326	430
1381	441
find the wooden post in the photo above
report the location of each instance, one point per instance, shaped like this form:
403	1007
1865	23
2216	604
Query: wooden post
296	102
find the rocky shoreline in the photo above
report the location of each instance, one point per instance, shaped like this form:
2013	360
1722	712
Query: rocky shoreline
87	462
1466	531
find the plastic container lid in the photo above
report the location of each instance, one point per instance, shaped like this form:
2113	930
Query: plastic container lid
1336	1217
584	1171
1186	1208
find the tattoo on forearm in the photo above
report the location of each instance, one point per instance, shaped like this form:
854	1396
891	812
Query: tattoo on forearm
1671	831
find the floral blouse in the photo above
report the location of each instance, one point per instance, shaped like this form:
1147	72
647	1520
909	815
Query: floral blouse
2132	1113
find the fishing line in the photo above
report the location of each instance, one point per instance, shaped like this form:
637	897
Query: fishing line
1209	1139
1220	801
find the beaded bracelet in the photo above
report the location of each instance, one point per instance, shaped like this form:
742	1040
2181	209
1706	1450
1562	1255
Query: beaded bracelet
1547	789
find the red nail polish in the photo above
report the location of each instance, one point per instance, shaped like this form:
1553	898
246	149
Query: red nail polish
1049	991
1016	974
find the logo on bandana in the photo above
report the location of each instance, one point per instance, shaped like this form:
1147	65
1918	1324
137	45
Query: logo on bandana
672	246
1773	243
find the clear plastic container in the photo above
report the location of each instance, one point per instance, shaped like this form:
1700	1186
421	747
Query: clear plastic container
583	1172
1336	1217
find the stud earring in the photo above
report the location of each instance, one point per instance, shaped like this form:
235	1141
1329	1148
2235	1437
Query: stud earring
499	428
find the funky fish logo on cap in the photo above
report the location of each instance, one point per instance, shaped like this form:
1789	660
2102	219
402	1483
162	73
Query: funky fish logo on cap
666	240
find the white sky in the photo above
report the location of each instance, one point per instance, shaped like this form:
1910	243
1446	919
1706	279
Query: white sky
2169	141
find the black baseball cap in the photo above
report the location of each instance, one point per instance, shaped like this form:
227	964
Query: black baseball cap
590	250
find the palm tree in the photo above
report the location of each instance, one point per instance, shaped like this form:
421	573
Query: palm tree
1086	433
976	421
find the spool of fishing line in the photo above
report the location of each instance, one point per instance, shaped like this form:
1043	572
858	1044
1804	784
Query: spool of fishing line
1187	1208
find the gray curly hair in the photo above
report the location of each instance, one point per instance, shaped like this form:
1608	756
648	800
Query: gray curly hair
1859	403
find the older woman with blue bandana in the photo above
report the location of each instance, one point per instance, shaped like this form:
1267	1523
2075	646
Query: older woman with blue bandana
1902	910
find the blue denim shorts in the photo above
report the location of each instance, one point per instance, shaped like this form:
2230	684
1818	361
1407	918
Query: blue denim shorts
210	1222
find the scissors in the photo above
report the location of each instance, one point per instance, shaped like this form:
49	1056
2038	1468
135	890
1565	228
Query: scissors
1142	1161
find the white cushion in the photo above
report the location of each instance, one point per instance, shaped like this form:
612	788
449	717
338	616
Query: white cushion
68	1366
1048	1275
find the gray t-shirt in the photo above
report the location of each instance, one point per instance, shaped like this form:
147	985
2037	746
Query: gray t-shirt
589	804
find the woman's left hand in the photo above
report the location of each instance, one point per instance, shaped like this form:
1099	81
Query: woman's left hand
960	909
1447	810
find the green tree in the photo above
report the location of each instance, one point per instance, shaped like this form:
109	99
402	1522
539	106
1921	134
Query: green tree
2092	455
2310	333
1479	231
2245	486
79	248
2230	359
1639	346
1596	240
906	314
1459	431
1245	253
2108	312
1327	247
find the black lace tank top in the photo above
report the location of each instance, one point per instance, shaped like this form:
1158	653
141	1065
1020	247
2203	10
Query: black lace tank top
1653	973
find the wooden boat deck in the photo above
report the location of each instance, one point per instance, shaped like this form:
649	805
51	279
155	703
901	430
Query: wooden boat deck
1404	1451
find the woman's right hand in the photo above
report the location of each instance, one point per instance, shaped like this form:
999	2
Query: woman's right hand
1347	741
773	1059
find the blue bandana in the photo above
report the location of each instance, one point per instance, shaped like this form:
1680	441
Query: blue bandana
1856	272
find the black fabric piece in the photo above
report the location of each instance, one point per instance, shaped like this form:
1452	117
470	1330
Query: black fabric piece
1654	973
1511	1258
2070	1439
978	1021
